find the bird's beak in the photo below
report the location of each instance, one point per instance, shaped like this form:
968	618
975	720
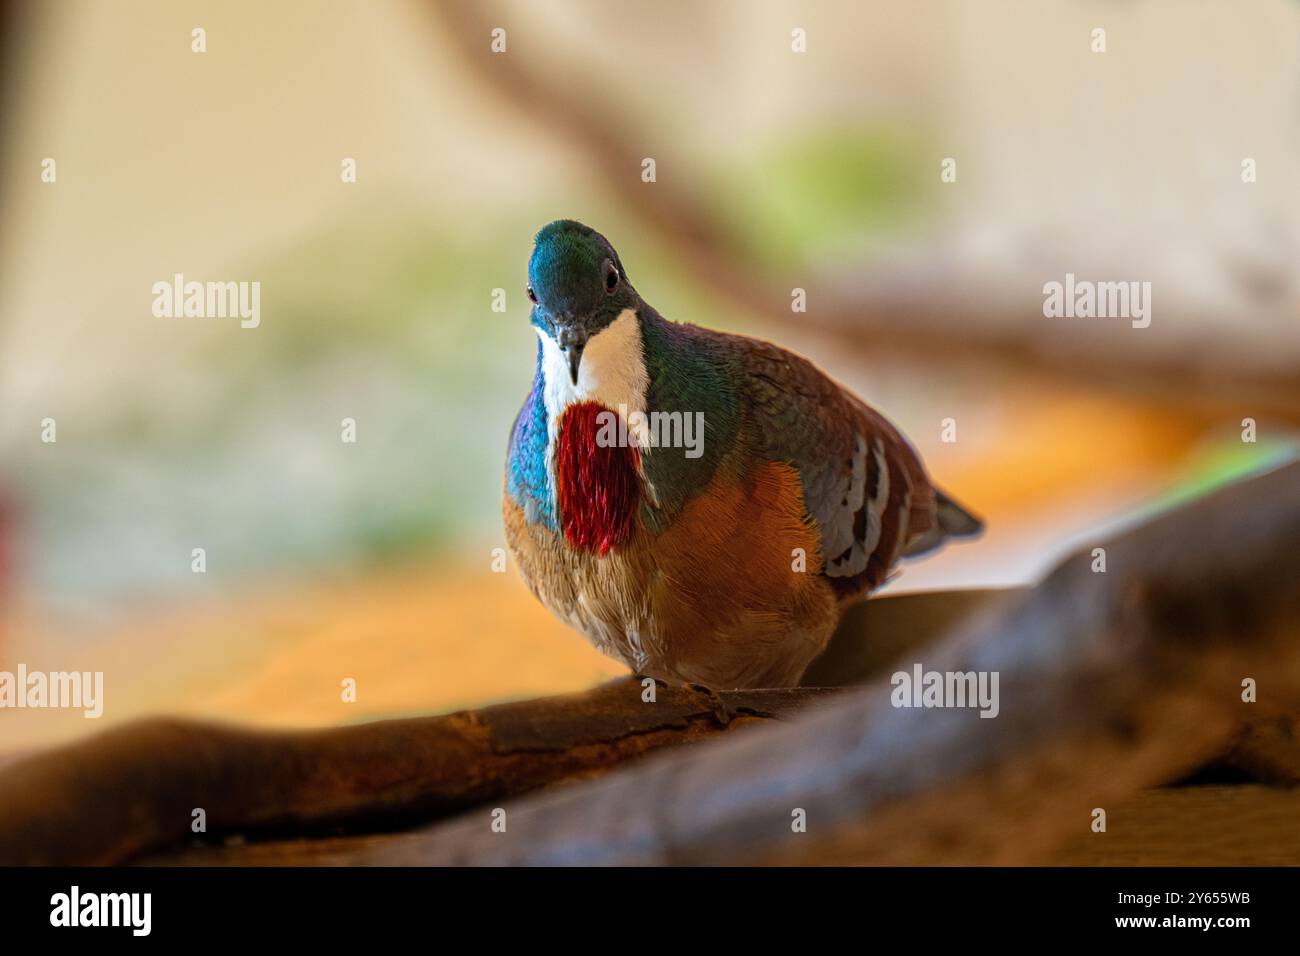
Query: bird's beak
572	342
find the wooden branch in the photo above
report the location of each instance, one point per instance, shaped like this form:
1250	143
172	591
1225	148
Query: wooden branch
1241	825
134	789
1109	682
150	776
1214	825
875	635
1268	750
922	313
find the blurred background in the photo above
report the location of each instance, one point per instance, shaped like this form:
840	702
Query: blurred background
775	169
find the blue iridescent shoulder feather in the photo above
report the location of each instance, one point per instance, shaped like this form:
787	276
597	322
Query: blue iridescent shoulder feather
527	479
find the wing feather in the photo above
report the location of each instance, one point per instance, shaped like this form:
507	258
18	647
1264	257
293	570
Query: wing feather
864	485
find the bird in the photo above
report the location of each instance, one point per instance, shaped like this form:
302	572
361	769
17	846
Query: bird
723	558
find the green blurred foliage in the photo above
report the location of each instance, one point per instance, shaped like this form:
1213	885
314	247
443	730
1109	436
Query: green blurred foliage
824	193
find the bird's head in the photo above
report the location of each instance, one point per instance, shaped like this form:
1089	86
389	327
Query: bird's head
577	286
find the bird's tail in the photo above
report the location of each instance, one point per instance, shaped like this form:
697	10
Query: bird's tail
954	521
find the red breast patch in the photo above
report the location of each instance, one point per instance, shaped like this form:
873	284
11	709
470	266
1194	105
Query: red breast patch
597	486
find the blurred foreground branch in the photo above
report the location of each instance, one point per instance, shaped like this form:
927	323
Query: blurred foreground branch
1110	682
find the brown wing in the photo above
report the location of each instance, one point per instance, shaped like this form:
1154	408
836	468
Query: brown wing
864	485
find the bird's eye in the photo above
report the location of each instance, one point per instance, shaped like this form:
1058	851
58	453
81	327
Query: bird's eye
611	277
532	296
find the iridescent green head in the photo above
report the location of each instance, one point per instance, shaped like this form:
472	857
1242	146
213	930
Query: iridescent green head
577	285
